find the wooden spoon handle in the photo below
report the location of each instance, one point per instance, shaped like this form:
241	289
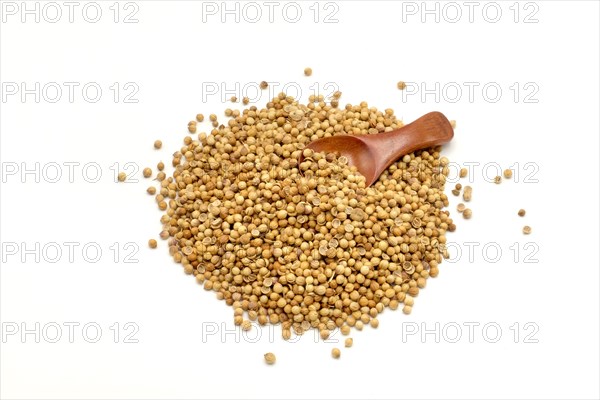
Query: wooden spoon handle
430	130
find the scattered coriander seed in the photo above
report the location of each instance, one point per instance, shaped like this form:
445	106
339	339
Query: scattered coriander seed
152	243
374	323
308	71
245	100
147	172
458	186
521	213
264	85
348	342
192	128
121	176
460	207
151	190
160	166
526	230
467	213
508	173
212	117
455	192
336	353
233	99
345	329
407	309
199	117
270	358
157	144
463	173
497	179
467	193
401	85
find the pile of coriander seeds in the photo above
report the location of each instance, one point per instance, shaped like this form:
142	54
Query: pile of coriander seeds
305	245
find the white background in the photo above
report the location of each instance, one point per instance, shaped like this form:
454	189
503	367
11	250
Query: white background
171	54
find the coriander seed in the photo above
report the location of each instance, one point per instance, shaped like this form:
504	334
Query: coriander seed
526	230
497	179
147	172
157	144
348	342
305	244
463	173
199	117
270	358
152	243
401	85
121	176
308	71
336	353
264	85
508	173
467	193
521	213
467	213
460	207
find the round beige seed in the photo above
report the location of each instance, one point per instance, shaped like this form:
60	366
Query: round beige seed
336	353
270	358
526	230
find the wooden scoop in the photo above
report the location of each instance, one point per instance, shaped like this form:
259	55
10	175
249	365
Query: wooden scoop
372	154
